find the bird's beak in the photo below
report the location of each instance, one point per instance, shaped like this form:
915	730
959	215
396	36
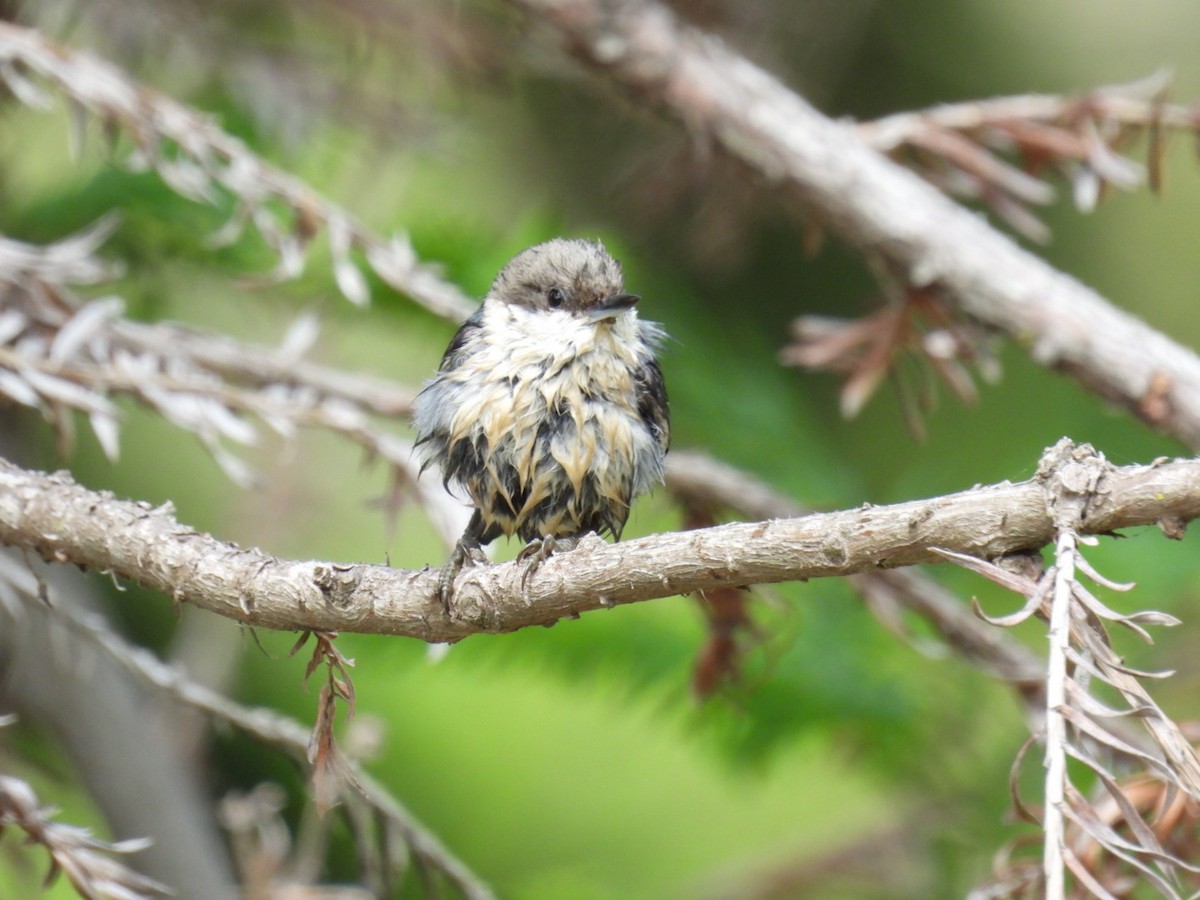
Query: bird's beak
611	307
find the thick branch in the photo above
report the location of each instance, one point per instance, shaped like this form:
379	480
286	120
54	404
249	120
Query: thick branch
879	206
64	522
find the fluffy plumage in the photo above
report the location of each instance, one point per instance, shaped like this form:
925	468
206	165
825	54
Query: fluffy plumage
549	408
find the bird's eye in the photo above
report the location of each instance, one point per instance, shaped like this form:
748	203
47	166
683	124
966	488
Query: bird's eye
555	297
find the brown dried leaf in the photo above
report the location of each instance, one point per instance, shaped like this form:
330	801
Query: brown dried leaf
1079	811
1091	728
1022	811
1081	872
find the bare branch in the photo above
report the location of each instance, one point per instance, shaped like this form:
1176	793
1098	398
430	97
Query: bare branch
697	479
61	521
878	206
198	160
1053	869
269	727
87	861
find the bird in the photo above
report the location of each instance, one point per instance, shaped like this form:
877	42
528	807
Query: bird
549	408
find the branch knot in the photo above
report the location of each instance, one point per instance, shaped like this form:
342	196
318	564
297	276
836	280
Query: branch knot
1072	475
337	582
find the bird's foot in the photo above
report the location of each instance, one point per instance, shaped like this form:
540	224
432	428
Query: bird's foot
465	551
539	550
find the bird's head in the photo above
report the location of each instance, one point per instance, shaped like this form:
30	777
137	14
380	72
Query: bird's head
574	276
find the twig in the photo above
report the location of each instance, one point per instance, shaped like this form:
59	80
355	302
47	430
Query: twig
87	861
964	148
1134	105
1056	727
1080	721
269	728
878	206
1072	484
53	516
198	160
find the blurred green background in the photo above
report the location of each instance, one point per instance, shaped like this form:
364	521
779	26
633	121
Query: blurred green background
575	762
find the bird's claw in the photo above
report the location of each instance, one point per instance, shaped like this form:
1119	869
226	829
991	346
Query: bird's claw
539	550
464	552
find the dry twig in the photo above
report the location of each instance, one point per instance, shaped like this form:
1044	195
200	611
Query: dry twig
87	862
379	820
917	324
1078	723
322	751
966	148
198	160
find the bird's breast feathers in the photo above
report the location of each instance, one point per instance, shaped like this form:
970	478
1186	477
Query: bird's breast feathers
548	397
526	364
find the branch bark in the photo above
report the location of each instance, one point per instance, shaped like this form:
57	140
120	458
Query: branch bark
879	206
695	478
64	522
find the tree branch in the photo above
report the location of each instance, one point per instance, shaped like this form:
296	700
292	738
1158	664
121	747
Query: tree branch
64	522
198	160
880	207
90	864
269	728
695	478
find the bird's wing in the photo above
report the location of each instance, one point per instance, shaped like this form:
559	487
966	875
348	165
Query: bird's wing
453	356
652	402
432	409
